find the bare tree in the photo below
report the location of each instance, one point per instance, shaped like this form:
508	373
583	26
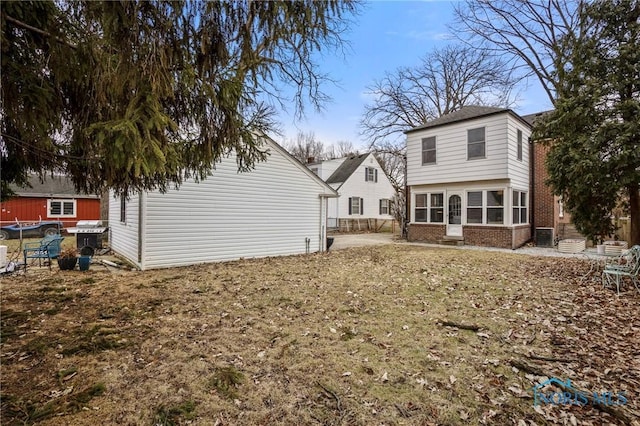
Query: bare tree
527	32
306	148
341	149
445	80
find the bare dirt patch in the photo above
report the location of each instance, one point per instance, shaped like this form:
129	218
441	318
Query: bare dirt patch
356	336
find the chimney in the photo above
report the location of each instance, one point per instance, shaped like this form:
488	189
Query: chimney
310	160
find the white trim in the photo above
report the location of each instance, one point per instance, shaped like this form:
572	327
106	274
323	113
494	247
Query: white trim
62	203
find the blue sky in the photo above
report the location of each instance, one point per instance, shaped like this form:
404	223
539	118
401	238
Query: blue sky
386	35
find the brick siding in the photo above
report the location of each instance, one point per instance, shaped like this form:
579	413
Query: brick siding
488	236
544	202
426	232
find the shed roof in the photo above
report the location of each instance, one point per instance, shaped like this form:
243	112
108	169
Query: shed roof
346	169
56	186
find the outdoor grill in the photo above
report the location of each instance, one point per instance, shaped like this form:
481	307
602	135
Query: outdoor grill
88	233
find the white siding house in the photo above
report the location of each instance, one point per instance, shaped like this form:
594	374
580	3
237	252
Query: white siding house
468	178
279	208
365	190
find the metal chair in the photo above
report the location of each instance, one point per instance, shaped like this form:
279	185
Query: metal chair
618	271
47	248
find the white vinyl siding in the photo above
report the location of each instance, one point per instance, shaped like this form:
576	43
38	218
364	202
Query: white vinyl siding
370	192
452	146
518	170
123	236
275	209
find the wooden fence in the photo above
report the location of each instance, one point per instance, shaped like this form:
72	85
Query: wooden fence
623	225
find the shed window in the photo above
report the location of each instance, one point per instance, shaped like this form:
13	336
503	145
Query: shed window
61	208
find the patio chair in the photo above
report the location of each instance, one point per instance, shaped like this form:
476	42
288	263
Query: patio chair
47	248
619	271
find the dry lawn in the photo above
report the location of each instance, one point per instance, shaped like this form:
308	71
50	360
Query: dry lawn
353	337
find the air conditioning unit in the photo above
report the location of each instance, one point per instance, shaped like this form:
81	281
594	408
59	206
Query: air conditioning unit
544	237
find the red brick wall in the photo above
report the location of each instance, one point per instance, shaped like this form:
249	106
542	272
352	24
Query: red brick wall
544	202
488	236
426	232
521	234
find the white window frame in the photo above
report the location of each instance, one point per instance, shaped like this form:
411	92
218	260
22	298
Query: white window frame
355	202
427	150
518	208
386	203
370	174
62	202
483	143
519	146
428	207
485	207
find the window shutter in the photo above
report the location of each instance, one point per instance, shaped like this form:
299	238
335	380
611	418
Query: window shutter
350	205
380	207
361	206
375	174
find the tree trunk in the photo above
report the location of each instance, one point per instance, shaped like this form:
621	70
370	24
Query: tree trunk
634	207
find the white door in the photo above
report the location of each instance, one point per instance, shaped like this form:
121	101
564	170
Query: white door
454	217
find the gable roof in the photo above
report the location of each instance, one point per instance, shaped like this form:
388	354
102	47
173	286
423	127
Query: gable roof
52	186
346	169
329	191
466	113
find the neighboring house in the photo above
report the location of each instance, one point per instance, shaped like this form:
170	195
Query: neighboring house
365	191
469	179
279	208
53	199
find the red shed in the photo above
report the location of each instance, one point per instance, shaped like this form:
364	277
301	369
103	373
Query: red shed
53	199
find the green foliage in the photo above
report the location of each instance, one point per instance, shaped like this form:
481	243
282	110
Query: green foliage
139	95
594	130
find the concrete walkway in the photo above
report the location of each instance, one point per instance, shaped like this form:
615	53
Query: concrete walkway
342	241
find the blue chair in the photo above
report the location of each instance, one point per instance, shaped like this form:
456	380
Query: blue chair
48	248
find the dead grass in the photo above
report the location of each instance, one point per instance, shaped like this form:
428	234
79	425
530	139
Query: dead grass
350	337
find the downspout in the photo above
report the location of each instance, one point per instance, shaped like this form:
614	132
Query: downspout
405	226
532	198
141	216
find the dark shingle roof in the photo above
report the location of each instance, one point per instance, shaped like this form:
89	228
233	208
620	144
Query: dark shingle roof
531	118
346	169
57	186
464	113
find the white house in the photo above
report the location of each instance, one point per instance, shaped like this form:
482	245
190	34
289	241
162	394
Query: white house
365	190
469	178
279	208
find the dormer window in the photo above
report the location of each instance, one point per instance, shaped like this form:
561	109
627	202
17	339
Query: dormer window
370	174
